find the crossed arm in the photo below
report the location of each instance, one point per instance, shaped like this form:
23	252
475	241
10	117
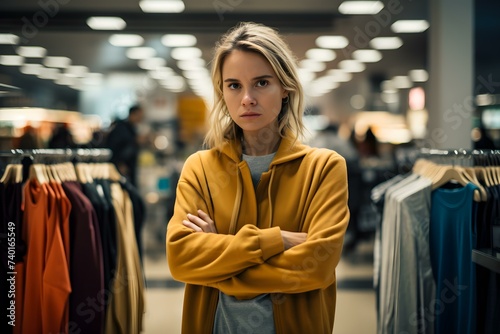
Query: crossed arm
203	223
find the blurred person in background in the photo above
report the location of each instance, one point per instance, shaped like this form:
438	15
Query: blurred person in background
330	138
123	142
29	140
259	218
61	137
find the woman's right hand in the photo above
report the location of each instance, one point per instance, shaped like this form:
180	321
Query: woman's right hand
291	239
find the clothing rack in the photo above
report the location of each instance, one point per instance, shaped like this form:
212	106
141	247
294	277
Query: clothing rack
50	156
461	157
430	230
84	231
76	155
488	258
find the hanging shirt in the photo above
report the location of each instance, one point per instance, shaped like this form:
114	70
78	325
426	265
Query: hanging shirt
43	280
11	218
405	273
452	237
126	307
86	268
103	212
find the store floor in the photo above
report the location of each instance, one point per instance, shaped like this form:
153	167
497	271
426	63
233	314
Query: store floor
355	298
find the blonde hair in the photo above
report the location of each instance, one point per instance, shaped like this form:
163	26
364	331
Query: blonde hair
253	37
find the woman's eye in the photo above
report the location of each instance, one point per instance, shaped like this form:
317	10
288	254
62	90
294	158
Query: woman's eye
233	85
262	83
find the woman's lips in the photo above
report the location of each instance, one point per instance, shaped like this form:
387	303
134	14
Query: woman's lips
250	114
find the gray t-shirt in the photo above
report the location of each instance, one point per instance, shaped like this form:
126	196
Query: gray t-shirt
255	315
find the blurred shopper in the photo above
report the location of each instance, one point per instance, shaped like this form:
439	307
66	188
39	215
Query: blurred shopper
123	141
29	140
368	146
61	137
330	138
260	218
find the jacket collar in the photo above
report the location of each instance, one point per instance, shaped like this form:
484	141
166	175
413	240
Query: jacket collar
288	150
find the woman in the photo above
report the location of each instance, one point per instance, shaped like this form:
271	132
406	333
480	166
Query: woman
259	218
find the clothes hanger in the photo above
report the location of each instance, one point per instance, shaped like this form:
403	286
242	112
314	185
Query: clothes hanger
470	174
39	173
7	174
449	173
82	173
66	171
10	174
482	175
18	173
114	175
419	166
55	174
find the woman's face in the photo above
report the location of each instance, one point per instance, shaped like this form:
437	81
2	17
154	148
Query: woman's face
252	91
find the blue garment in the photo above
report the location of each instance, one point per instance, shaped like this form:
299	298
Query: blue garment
452	237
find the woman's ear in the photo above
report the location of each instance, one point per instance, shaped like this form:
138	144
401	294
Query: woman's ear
284	95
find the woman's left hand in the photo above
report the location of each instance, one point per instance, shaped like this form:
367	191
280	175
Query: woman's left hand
200	223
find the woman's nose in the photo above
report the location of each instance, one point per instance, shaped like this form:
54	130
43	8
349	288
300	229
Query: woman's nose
248	99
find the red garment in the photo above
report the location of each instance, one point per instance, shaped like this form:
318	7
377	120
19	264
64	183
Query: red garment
43	280
57	284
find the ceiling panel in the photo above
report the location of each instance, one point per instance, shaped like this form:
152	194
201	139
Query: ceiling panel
66	34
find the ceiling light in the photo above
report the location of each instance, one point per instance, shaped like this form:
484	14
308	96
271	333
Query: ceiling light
402	82
31	51
76	71
162	73
332	42
127	40
410	26
389	97
106	23
65	80
195	74
59	62
484	99
306	76
312	65
176	40
352	66
49	73
358	101
92	80
321	54
32	69
162	6
151	63
387	85
11	60
186	53
326	82
175	82
386	43
9	39
367	56
141	52
418	75
360	7
191	64
339	75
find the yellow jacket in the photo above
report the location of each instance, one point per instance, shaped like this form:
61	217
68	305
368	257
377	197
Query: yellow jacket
305	190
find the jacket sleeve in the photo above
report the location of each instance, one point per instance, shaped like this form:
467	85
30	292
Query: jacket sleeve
310	265
204	258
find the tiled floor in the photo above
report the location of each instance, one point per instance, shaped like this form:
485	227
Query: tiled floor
355	298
